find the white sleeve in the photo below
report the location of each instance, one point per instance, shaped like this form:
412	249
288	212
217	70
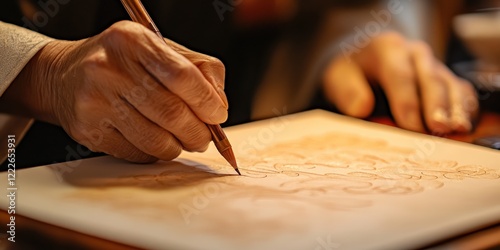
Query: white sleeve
17	46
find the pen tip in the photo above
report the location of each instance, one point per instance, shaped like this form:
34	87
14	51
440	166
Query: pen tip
229	156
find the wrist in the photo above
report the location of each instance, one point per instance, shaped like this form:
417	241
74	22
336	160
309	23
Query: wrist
36	91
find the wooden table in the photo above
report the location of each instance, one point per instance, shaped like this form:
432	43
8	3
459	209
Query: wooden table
31	234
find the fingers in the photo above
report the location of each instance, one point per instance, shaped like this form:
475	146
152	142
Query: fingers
214	71
464	105
186	81
433	88
212	68
100	135
346	86
170	68
157	101
418	87
170	113
147	136
116	145
450	103
399	81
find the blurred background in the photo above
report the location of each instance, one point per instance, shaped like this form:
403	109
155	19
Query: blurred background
273	49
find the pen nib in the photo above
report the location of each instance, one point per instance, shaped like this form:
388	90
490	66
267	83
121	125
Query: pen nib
229	156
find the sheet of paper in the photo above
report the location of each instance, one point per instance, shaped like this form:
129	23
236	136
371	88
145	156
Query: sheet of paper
313	180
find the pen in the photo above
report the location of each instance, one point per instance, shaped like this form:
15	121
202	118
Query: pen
138	13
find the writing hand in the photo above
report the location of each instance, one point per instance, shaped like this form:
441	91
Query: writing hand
125	93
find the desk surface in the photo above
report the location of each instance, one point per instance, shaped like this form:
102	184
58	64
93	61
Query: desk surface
36	233
31	234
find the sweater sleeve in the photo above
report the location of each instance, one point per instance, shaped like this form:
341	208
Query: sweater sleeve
17	46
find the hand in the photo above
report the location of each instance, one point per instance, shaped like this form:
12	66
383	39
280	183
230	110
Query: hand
125	93
419	88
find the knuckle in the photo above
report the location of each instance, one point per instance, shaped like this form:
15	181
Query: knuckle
181	72
164	146
197	138
390	38
194	93
94	63
119	29
120	25
401	74
168	148
172	109
155	145
76	131
81	133
430	79
122	32
85	101
204	100
405	74
215	63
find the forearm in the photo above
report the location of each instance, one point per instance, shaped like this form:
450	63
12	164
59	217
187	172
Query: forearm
31	71
19	48
28	93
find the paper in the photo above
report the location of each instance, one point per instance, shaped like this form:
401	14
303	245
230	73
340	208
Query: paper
313	180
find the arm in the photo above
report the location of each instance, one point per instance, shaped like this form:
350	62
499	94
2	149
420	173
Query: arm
17	47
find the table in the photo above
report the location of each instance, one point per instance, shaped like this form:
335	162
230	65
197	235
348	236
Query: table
35	234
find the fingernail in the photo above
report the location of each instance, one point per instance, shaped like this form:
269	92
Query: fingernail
462	124
219	115
441	116
222	95
460	120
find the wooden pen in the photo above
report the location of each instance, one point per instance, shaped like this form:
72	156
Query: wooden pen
138	13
